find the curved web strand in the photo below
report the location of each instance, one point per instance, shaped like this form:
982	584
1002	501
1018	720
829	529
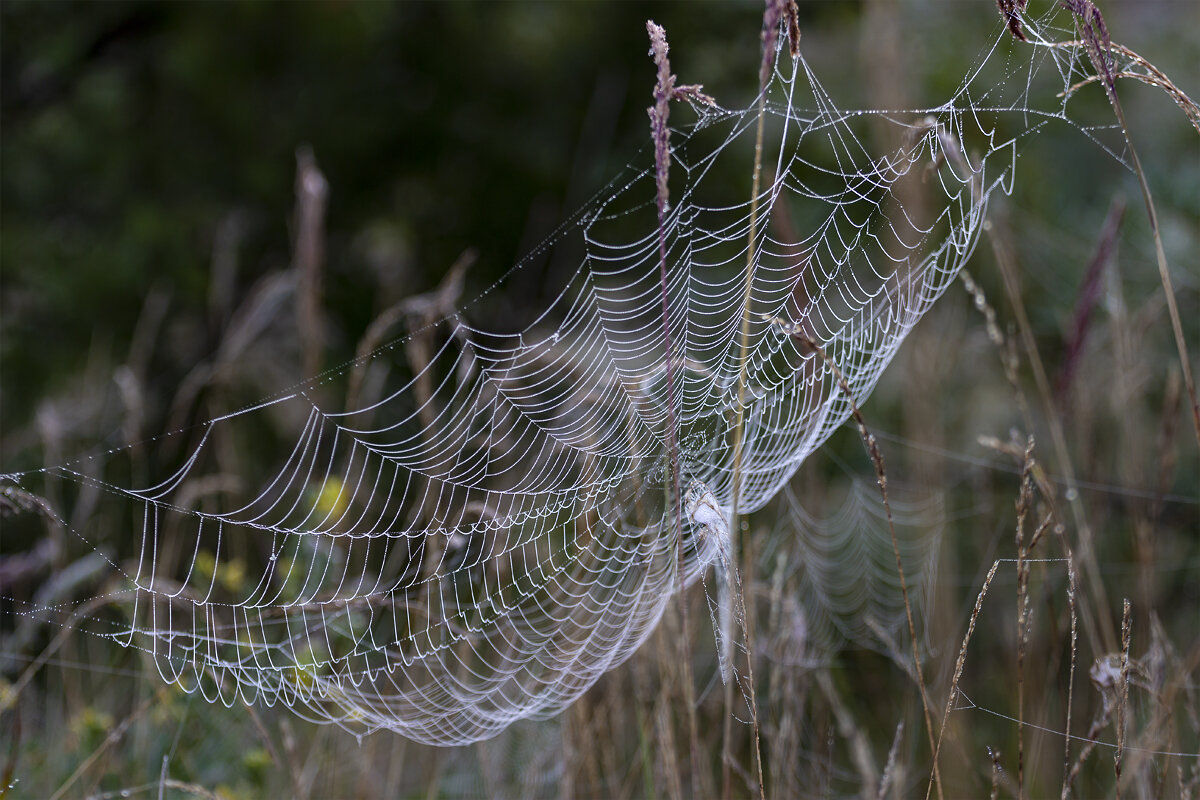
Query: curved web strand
835	578
489	529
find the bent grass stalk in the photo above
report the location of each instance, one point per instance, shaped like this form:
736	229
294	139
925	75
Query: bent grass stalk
777	11
1099	48
959	664
881	475
1072	590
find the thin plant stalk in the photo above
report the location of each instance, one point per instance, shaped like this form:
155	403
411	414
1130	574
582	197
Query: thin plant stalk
1024	500
1072	589
958	668
1005	259
776	12
312	193
889	767
112	738
1164	272
881	476
1123	691
1099	47
665	90
995	756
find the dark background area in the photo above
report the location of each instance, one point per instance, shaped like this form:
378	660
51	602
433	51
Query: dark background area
133	131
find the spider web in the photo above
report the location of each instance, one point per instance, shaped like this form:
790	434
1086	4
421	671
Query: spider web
836	576
491	525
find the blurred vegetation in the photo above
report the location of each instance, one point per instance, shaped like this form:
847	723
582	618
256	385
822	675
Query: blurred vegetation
147	170
133	131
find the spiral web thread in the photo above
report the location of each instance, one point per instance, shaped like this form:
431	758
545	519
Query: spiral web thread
490	527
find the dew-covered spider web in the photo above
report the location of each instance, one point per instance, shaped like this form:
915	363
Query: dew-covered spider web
495	519
835	572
